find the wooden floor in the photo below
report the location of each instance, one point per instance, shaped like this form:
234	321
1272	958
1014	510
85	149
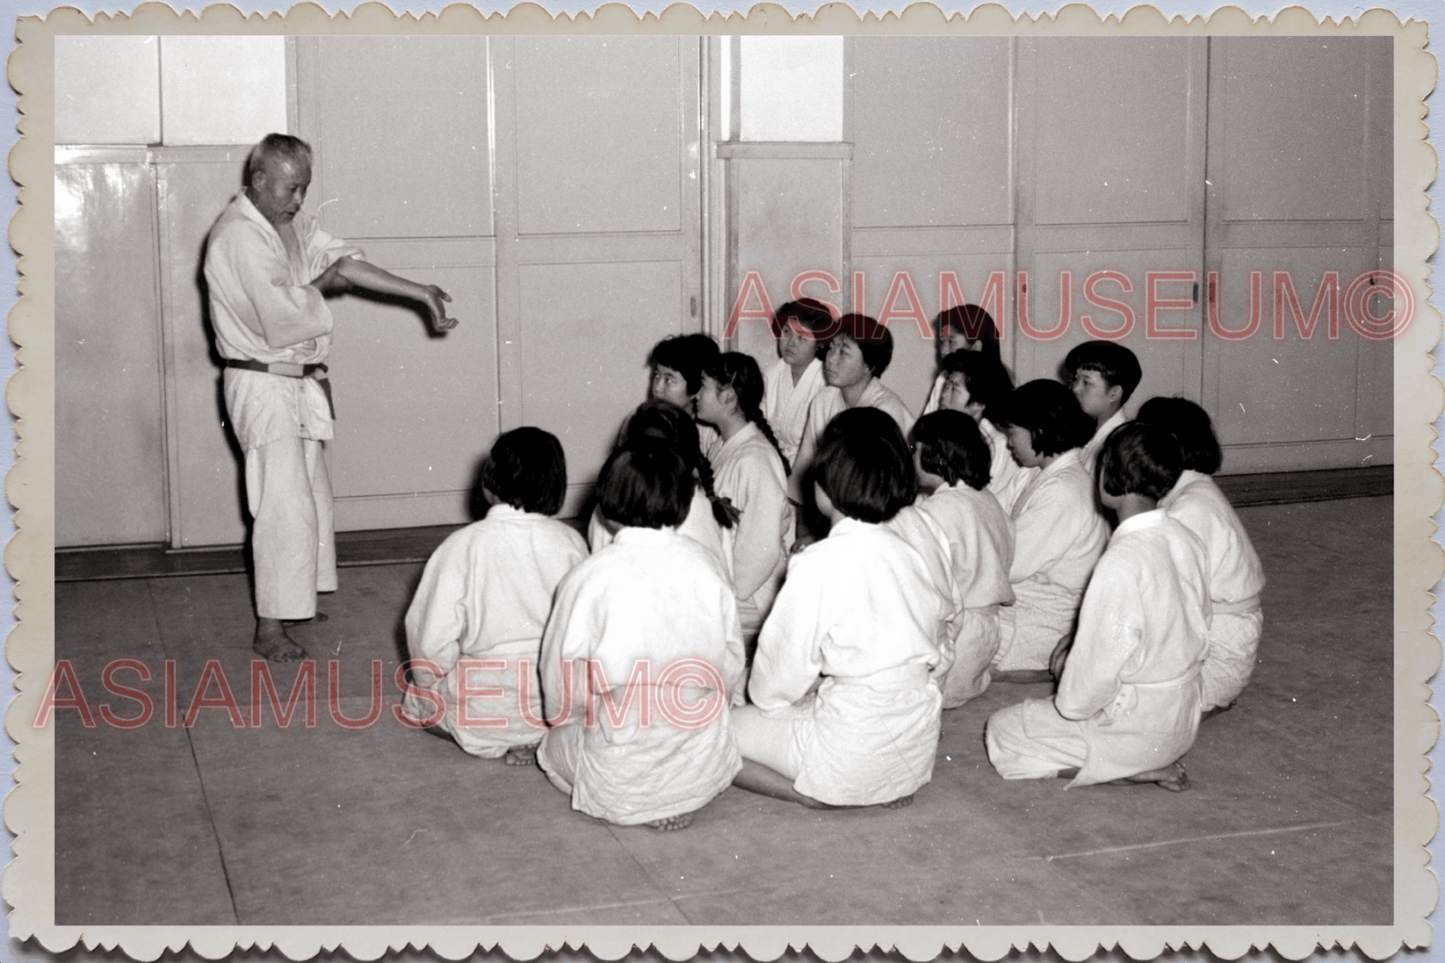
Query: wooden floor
416	544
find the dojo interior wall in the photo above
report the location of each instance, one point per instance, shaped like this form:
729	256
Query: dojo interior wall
583	198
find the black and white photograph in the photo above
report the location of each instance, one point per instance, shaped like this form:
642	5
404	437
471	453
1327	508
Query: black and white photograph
951	478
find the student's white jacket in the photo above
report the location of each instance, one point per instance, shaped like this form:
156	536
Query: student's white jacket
1236	579
825	407
1129	698
748	471
847	654
483	599
655	616
785	404
1058	537
1089	454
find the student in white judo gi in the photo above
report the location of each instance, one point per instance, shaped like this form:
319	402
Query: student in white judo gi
965	327
477	616
750	471
1058	532
1127	706
710	518
269	268
803	329
845	710
971	382
857	357
1236	576
677	363
1102	375
648	625
952	461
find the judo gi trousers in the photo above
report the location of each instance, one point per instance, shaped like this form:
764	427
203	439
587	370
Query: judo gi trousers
288	490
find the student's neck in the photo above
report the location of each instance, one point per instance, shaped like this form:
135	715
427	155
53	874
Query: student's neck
730	424
1047	460
1099	422
1132	504
853	392
799	370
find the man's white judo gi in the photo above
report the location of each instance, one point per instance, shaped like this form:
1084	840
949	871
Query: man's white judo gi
785	404
748	471
479	610
1236	578
980	540
264	310
658	620
1058	536
824	408
1128	701
843	699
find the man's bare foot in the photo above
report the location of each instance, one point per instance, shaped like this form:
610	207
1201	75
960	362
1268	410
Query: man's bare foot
521	756
1022	675
316	619
672	822
1171	777
272	642
900	802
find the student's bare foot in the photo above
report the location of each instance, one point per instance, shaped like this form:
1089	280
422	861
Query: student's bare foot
672	822
900	802
272	642
1022	675
1211	713
1171	777
521	756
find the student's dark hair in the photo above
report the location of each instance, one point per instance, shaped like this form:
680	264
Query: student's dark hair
864	466
873	340
974	323
662	422
986	379
1115	363
741	373
1049	412
645	485
1191	425
950	446
277	147
527	470
1141	458
813	315
687	354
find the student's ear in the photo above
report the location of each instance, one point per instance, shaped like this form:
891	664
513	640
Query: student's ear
974	409
1115	394
729	397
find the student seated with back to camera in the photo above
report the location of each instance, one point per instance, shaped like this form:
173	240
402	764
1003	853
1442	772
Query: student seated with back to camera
845	710
625	624
485	595
1127	705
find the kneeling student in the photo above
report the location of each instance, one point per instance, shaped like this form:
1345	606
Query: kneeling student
640	655
1128	701
485	595
845	710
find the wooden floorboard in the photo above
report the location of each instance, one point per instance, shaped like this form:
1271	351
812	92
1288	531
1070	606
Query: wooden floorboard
416	544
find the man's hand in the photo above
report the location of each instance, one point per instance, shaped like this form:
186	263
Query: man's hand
433	297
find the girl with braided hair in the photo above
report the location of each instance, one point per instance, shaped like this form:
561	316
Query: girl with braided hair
751	472
710	518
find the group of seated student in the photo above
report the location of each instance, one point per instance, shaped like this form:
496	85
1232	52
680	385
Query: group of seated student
808	578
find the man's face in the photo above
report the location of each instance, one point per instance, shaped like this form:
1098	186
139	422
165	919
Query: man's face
278	189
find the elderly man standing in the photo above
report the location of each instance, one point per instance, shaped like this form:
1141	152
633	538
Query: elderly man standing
269	268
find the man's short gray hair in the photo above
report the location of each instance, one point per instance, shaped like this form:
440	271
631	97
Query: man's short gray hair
277	147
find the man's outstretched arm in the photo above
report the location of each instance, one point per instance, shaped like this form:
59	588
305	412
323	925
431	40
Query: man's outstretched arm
350	272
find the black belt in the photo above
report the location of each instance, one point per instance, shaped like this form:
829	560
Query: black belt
316	372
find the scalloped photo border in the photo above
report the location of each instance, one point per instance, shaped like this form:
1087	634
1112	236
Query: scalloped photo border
28	881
